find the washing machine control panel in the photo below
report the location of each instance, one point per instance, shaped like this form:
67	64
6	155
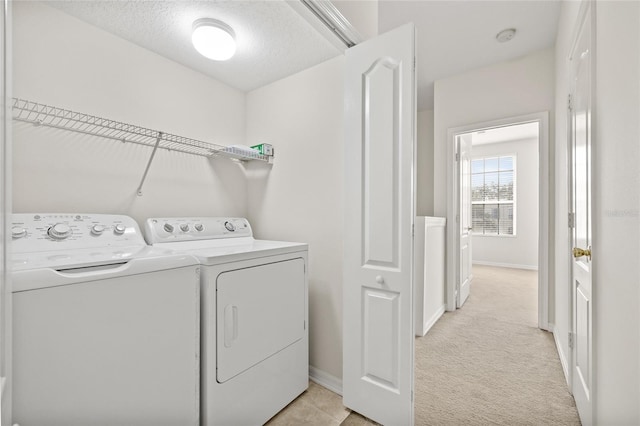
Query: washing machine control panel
40	232
171	229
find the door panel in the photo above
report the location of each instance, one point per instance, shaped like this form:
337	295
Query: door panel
381	337
379	213
582	336
580	145
380	167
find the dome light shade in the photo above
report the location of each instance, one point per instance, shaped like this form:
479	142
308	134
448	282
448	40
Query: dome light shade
213	39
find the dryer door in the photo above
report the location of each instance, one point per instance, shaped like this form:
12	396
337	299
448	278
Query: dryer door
260	310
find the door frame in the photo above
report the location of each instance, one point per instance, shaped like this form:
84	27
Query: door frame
5	211
545	251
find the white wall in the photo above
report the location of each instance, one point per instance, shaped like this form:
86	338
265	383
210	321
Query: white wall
508	89
61	61
424	185
616	228
301	198
521	250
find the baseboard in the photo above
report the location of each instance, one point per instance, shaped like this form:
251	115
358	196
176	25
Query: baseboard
326	380
434	318
563	358
506	265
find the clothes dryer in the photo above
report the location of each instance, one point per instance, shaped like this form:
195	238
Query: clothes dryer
255	340
105	328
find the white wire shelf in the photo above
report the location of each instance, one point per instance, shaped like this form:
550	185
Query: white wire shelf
59	118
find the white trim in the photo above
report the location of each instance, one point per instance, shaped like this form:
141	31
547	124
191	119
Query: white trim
544	249
434	319
506	265
325	380
329	22
563	360
6	79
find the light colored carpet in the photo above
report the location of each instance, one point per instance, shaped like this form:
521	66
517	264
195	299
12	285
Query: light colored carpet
488	363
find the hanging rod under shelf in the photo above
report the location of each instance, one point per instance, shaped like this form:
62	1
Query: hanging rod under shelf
59	118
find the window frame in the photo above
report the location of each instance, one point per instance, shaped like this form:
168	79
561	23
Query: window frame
511	202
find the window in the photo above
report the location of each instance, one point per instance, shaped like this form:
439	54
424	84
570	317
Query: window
492	195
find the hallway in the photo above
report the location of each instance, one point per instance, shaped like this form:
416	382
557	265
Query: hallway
488	363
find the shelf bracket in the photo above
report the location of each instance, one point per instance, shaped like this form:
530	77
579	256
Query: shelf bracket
146	170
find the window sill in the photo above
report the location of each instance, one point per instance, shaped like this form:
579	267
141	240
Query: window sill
494	235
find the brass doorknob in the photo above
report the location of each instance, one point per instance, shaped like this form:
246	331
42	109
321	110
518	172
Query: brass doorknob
578	252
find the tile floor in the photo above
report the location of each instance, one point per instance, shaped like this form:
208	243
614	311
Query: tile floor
318	406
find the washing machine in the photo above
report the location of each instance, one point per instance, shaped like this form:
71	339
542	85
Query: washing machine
106	330
255	337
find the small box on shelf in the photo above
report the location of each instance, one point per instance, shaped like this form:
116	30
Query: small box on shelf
264	149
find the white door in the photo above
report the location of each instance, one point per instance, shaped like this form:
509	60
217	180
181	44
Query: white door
380	112
580	146
464	174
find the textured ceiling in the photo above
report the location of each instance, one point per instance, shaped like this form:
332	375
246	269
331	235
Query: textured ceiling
273	40
456	36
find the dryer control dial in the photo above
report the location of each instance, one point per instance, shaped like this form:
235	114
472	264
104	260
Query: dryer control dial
230	226
119	229
97	229
59	231
184	227
18	232
168	227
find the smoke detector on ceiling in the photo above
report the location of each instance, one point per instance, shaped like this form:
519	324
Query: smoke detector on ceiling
506	35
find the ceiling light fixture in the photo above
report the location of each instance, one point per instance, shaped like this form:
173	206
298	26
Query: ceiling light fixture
506	35
213	39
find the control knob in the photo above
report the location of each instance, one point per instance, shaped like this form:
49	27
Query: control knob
59	231
184	227
97	229
119	229
18	232
168	227
199	227
230	226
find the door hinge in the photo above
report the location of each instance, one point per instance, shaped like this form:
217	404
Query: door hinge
413	230
457	157
414	64
572	220
569	105
571	340
304	325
